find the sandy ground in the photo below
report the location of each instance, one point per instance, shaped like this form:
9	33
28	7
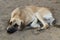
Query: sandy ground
6	7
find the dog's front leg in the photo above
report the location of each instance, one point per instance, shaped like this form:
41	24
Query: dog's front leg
34	24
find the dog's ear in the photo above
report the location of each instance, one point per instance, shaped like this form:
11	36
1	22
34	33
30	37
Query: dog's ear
22	26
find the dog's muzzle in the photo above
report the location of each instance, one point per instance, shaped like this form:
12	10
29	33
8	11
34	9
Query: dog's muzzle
12	29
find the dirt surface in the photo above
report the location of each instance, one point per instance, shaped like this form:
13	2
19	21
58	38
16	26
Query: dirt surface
6	7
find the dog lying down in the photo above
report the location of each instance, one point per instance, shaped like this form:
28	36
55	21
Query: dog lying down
33	16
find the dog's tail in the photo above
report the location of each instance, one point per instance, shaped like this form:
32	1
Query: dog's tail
56	25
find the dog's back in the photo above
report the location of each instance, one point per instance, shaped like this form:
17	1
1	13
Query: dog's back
28	12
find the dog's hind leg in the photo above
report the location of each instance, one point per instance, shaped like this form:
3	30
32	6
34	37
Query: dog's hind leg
45	24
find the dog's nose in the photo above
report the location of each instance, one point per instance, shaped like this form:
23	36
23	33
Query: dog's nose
11	30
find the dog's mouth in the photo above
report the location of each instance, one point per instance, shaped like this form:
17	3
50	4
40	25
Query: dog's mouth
12	29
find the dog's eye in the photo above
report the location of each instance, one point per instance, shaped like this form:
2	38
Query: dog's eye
9	22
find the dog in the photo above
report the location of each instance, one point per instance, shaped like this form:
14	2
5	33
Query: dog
22	16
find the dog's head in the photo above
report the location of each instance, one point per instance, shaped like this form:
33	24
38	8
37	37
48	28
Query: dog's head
14	25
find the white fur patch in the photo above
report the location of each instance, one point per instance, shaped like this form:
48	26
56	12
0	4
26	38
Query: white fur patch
48	16
35	25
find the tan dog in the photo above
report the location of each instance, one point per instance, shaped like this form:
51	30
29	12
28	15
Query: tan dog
21	17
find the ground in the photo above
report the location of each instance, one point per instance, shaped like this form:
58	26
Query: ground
6	7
